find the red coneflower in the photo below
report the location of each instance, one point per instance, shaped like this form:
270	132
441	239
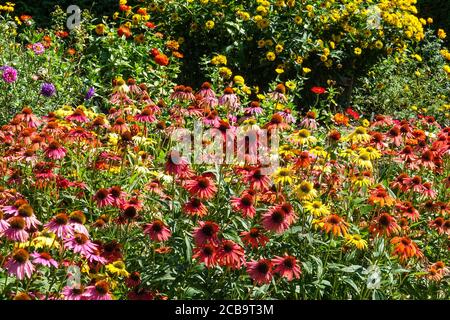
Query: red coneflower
384	224
202	187
304	160
276	122
103	198
395	135
118	196
260	271
287	267
407	210
177	165
206	232
275	219
405	248
258	181
157	231
255	238
55	151
206	254
244	204
195	207
19	264
230	254
133	280
438	224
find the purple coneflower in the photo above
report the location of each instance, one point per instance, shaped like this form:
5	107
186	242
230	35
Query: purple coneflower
99	291
20	265
16	230
60	226
80	243
44	259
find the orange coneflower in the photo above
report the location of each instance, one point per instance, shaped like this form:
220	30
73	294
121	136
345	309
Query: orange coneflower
379	195
405	248
384	224
334	224
202	187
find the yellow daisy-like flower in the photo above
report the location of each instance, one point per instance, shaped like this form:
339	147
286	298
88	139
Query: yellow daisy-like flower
290	85
306	191
319	151
365	123
441	34
270	56
45	240
372	152
284	176
209	24
317	208
360	135
303	136
117	268
358	51
287	151
356	240
361	181
113	139
363	160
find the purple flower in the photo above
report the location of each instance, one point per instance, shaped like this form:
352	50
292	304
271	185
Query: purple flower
90	93
48	90
38	48
9	74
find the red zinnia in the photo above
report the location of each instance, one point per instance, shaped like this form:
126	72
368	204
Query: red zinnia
318	90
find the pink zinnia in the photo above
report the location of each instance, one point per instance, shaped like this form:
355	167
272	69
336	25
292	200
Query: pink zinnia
44	259
157	231
20	265
287	267
260	271
55	151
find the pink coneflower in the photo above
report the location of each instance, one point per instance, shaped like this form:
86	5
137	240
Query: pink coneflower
146	115
415	183
80	243
230	254
26	212
60	226
258	181
381	120
438	224
206	254
212	119
103	198
157	231
28	155
118	196
309	121
99	291
395	135
55	151
287	208
78	115
182	93
73	293
254	238
427	159
428	190
44	259
13	210
77	219
3	224
407	210
254	108
229	100
16	230
202	187
279	94
276	122
20	265
195	207
260	271
206	91
206	233
208	103
276	220
287	267
120	126
406	154
27	116
176	165
244	205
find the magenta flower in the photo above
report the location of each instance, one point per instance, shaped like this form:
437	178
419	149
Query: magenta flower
20	265
16	230
38	48
44	259
9	74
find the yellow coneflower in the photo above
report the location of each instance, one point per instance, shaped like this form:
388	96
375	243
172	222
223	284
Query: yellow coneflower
360	135
356	240
361	181
316	207
363	160
287	151
306	191
372	152
302	137
45	240
319	151
117	268
284	176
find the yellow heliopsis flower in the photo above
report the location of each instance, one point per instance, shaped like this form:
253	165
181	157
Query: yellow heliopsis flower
306	191
284	176
117	268
356	240
317	208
